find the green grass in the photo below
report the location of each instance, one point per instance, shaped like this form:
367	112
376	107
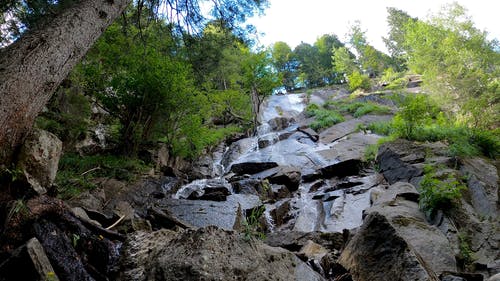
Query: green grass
323	118
76	172
357	109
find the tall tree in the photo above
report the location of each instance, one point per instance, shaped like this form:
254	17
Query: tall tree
285	63
34	65
459	64
325	45
308	58
397	21
371	60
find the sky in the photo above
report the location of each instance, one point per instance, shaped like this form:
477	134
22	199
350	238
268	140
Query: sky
296	21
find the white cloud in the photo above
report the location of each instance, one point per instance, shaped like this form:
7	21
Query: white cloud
293	21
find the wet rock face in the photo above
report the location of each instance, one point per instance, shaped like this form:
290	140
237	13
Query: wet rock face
39	158
208	254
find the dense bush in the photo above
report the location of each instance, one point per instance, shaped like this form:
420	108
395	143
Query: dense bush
357	80
438	193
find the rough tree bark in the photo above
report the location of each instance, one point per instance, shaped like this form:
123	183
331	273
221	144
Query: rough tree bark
33	67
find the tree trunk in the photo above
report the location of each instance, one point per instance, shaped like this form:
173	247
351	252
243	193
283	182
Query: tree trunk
33	67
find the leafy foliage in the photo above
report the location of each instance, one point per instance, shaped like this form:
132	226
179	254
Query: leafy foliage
251	224
357	80
459	64
68	116
438	193
76	172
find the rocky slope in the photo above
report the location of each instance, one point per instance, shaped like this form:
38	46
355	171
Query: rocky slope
325	212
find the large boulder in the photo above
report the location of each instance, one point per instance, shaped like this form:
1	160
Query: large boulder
208	254
482	185
377	252
39	158
396	242
343	129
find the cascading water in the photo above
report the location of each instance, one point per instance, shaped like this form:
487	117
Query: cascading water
279	141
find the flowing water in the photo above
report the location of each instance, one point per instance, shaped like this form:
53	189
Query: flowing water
333	206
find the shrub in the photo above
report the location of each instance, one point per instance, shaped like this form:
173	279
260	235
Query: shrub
438	194
381	128
416	111
358	81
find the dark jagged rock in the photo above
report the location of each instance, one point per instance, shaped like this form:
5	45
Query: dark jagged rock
393	166
281	214
252	167
288	176
345	168
211	194
61	252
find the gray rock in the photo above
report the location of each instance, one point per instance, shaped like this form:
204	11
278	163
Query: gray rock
208	254
495	277
39	158
400	208
377	252
350	147
483	185
343	129
313	135
280	123
236	149
200	213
